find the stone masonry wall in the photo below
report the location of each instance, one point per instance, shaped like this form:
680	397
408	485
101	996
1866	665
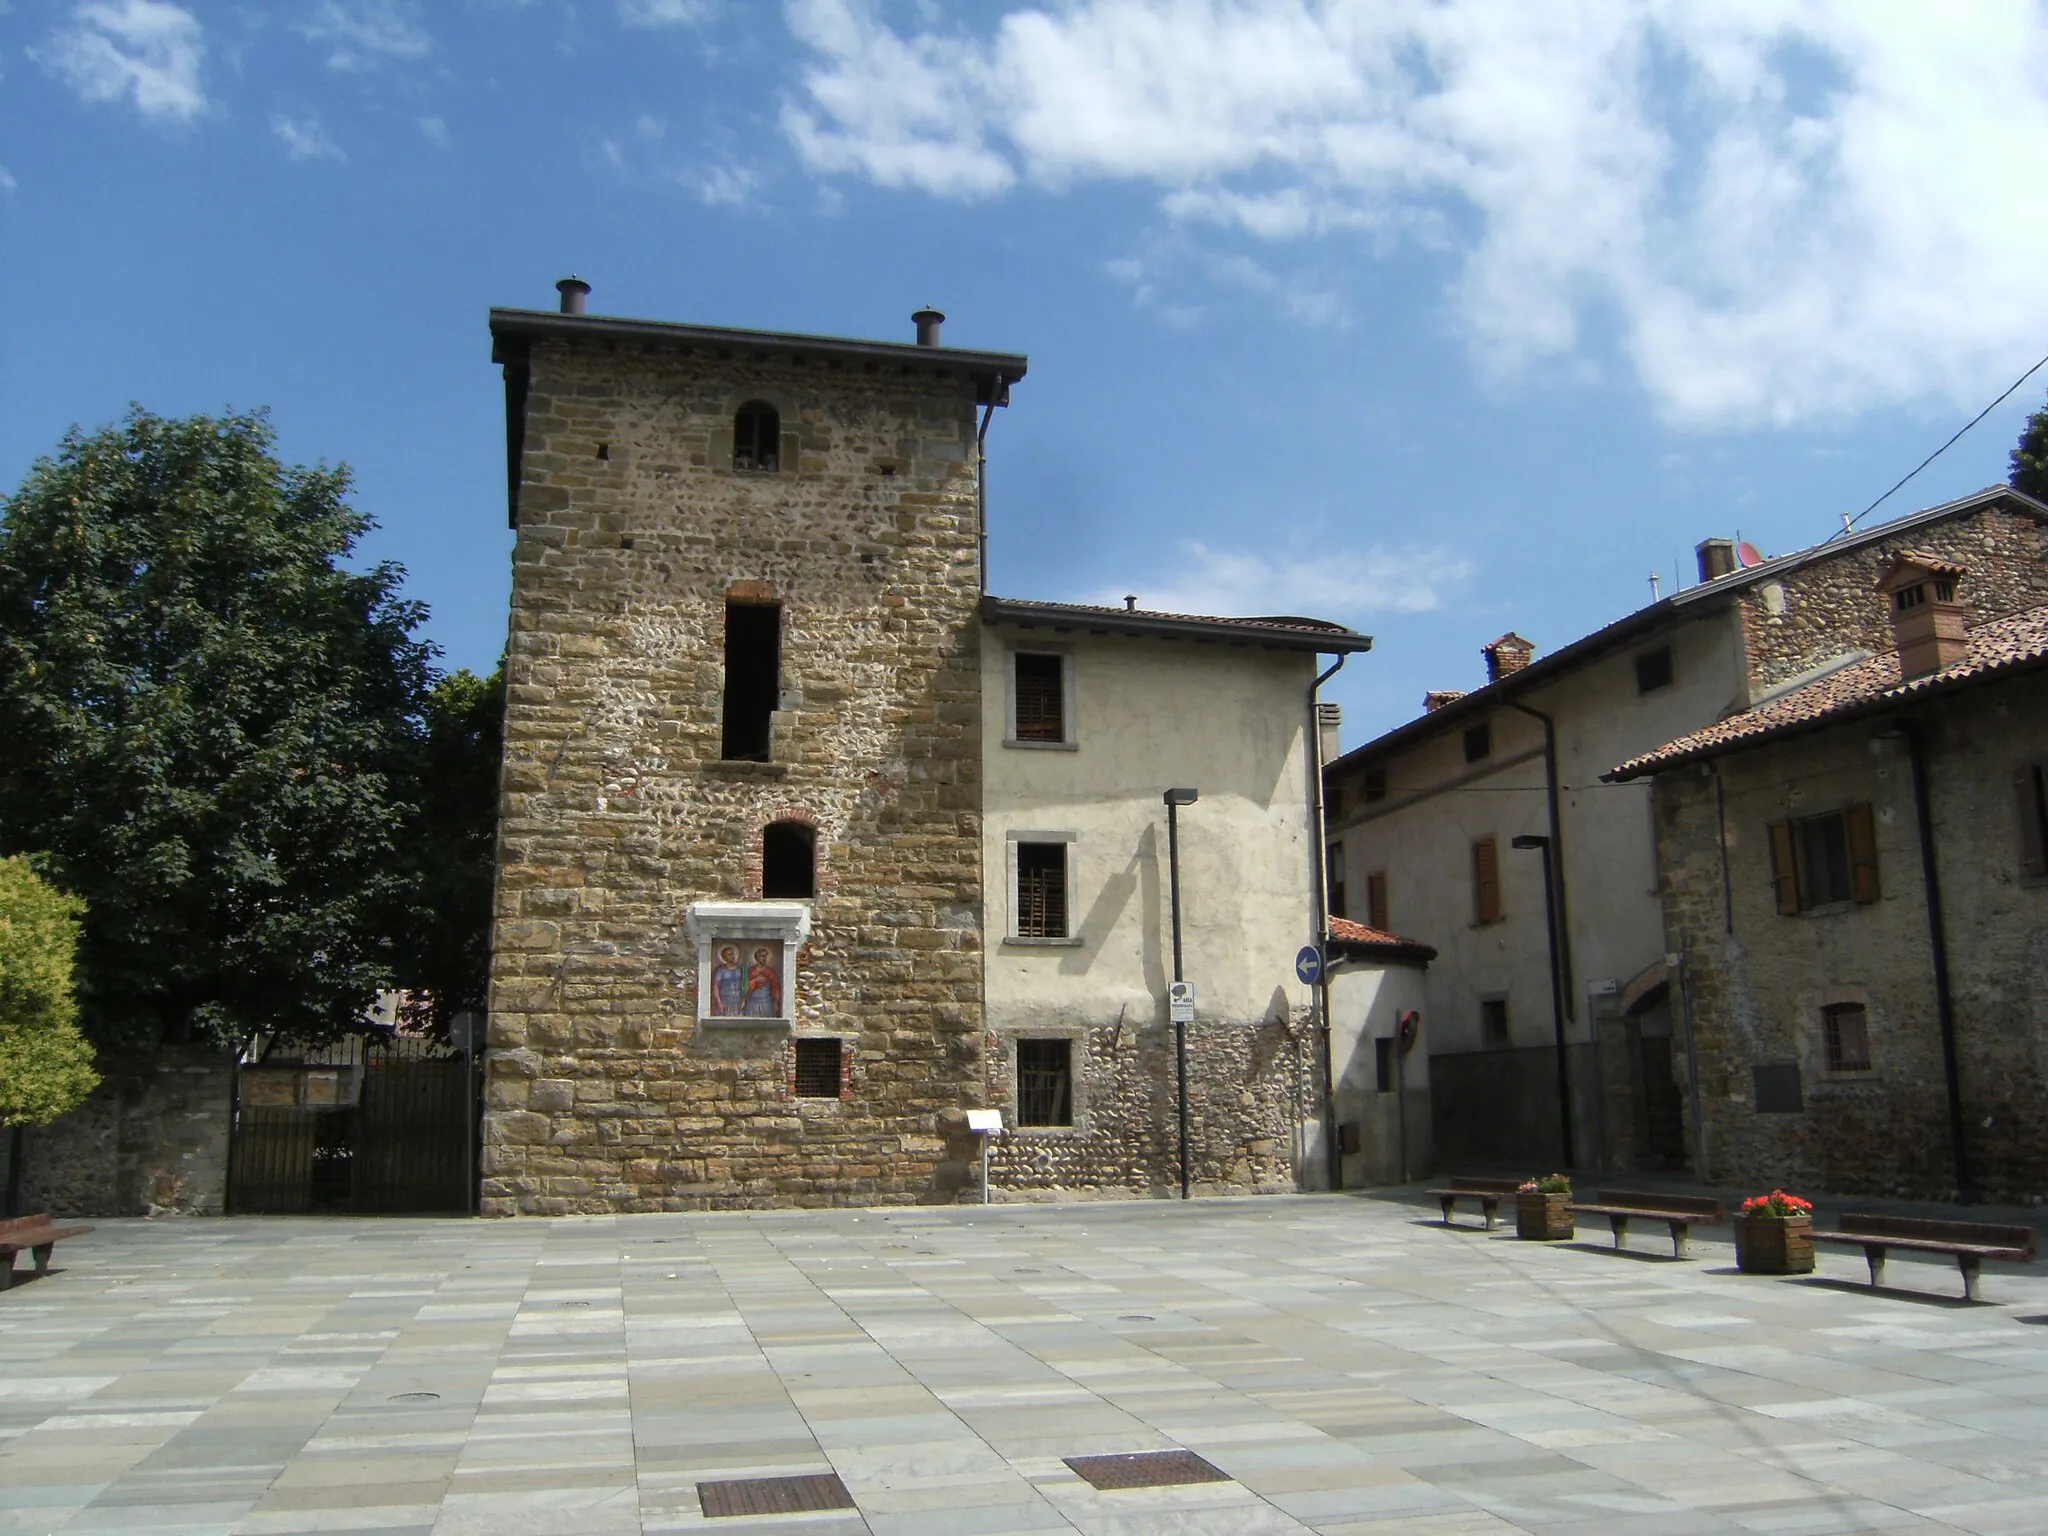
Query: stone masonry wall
1249	1085
603	1093
151	1140
1756	993
1831	606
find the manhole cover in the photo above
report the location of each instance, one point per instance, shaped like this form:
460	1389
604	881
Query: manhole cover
773	1495
575	1303
414	1397
1146	1469
1137	1317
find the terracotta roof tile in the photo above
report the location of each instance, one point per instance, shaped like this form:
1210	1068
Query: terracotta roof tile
1357	935
2017	640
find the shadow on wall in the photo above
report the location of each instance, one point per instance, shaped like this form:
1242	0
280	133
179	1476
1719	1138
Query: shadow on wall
1499	1108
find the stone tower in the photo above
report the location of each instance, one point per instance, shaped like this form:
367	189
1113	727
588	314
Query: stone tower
737	952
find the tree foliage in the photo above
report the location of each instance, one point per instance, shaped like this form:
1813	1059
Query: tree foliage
2030	458
45	1063
210	727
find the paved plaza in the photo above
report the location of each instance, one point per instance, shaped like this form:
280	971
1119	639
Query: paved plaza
1348	1363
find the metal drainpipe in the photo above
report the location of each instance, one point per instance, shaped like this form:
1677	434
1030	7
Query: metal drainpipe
1937	942
981	487
1692	1066
1557	880
1321	994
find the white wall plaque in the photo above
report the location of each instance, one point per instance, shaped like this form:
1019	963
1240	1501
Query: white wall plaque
746	959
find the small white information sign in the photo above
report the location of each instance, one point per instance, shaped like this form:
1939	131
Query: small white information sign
1180	1002
985	1122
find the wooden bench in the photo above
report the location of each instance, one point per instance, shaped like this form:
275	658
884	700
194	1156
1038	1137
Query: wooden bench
1972	1242
31	1234
1679	1212
1487	1192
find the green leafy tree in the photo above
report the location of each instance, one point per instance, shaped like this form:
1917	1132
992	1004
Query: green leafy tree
208	724
45	1063
442	939
2030	458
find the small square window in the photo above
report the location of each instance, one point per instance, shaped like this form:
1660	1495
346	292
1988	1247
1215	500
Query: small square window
818	1064
1493	1020
1045	1082
1375	785
1041	908
1846	1031
1653	670
1479	741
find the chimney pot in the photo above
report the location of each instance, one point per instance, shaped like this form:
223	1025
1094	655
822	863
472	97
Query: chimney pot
1929	626
1716	557
1130	602
573	291
928	321
1506	656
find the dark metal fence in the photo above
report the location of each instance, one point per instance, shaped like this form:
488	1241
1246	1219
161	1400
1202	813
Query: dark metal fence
371	1124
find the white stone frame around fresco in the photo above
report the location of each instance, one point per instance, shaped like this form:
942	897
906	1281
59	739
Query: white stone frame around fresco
710	923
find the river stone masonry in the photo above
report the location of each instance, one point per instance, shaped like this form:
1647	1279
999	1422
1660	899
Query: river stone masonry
604	1092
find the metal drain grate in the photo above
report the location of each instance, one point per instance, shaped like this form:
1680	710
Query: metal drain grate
773	1495
1146	1469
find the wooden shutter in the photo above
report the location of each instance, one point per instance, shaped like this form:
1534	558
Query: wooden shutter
2027	785
1784	869
1376	901
1041	697
1486	880
1862	830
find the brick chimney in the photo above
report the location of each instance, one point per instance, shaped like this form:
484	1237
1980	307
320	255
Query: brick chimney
1506	656
1928	624
1437	698
1716	558
1329	721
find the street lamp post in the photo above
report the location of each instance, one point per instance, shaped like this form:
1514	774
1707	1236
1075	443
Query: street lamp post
1175	799
1564	1079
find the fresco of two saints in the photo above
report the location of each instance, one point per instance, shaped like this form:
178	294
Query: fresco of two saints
746	980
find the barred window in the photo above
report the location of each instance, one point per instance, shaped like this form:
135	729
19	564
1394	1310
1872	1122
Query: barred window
818	1069
1847	1030
1041	890
1045	1082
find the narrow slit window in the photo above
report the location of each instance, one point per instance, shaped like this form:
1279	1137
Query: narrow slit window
1846	1028
818	1074
1493	1020
1337	908
1383	1064
757	437
753	678
1041	890
1376	902
789	859
1486	906
1041	697
1045	1082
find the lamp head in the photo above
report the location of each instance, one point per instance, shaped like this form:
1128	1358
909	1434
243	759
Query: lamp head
1528	840
1183	796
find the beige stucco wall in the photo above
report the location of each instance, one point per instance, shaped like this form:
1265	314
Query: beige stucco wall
1150	714
1367	1000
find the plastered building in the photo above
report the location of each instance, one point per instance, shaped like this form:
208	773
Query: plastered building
808	846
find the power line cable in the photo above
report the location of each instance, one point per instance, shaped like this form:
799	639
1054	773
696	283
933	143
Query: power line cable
1944	448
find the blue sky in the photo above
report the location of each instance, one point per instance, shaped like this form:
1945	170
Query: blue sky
1441	319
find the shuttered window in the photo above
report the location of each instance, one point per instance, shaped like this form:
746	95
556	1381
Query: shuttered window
1041	695
1376	901
1486	880
1041	890
2030	787
1823	861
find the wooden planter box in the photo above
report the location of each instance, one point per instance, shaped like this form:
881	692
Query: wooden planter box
1772	1245
1543	1218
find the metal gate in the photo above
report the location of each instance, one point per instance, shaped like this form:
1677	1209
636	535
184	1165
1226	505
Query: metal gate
372	1124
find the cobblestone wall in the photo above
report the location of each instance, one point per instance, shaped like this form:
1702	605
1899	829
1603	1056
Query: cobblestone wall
603	1093
152	1140
1756	993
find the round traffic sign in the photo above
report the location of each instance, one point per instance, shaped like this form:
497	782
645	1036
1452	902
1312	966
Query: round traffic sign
1308	965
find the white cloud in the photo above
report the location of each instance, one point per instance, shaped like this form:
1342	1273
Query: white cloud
725	186
665	13
362	34
1788	210
304	138
146	50
1347	586
7	181
435	132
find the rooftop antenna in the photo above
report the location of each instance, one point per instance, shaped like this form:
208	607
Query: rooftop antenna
1653	586
1848	522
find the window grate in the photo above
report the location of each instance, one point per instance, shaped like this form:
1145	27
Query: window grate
1041	890
1045	1082
818	1064
773	1495
1847	1030
1147	1469
1041	697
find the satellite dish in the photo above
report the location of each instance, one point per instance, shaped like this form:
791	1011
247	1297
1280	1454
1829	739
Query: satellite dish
1748	554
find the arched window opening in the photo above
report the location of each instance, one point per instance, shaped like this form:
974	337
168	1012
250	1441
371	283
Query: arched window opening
757	437
789	859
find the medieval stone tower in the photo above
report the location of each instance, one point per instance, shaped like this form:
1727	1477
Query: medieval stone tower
737	955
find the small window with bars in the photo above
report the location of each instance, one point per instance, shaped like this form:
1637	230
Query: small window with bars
818	1069
1041	907
1045	1082
1845	1031
1039	691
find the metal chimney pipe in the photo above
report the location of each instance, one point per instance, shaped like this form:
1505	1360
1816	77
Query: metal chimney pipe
928	321
573	291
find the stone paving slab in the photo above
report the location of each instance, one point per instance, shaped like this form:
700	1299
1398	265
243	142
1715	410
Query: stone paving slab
1350	1364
